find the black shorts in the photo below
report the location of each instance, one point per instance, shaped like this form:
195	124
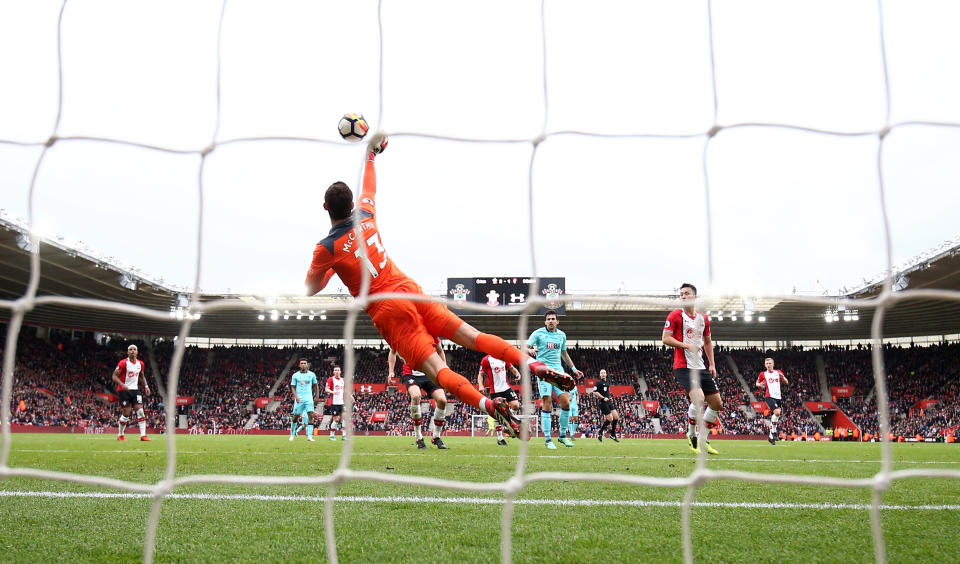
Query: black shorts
129	397
773	403
683	376
606	406
333	409
509	394
424	382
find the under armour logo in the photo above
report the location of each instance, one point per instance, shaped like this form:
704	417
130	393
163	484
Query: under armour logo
366	389
517	298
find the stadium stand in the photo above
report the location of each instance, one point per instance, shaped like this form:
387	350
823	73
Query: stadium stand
63	382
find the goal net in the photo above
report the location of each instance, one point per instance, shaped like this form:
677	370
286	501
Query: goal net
701	155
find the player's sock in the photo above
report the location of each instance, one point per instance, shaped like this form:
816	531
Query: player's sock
613	427
710	417
500	432
604	426
692	420
142	422
309	430
123	424
416	428
437	427
573	429
564	422
545	423
293	427
500	349
463	390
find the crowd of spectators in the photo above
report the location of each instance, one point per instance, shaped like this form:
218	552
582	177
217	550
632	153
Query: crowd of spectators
60	381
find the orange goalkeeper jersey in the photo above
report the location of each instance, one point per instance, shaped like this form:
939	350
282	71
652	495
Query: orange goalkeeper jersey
349	249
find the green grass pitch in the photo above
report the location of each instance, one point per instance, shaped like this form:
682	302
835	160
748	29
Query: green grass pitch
227	524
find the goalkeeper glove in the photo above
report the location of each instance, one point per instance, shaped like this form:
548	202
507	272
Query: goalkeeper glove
377	145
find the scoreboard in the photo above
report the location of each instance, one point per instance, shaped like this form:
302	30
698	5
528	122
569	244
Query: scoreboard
505	292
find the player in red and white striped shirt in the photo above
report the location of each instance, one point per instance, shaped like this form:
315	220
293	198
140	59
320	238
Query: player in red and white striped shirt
494	371
771	380
417	383
688	331
129	375
334	406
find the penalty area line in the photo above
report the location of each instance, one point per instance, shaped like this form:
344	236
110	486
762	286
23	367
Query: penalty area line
477	501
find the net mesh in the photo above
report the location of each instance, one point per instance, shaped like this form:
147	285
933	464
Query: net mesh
878	483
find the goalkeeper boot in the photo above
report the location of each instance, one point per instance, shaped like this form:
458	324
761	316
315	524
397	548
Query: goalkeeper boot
504	416
420	444
710	449
563	381
692	443
439	443
566	442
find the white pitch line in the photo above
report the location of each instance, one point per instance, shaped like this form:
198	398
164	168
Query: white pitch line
682	456
482	501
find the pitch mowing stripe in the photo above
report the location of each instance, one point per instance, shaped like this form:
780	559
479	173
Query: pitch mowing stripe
720	458
481	501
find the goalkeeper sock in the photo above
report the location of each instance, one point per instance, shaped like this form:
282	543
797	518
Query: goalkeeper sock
463	390
545	423
500	349
564	422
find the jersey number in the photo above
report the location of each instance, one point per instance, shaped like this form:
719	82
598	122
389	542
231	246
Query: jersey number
373	241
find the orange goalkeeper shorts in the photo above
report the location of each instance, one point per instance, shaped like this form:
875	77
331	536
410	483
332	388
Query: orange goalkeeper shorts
410	326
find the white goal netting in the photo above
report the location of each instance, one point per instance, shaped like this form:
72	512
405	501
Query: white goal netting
879	483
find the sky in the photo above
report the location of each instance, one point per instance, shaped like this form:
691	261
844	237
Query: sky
788	209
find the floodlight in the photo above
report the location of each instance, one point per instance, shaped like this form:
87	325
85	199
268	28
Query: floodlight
127	282
762	318
24	242
260	317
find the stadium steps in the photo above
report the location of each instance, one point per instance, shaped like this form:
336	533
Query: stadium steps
736	372
251	421
822	376
281	378
642	387
157	377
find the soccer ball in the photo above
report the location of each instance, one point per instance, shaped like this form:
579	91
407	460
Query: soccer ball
353	127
